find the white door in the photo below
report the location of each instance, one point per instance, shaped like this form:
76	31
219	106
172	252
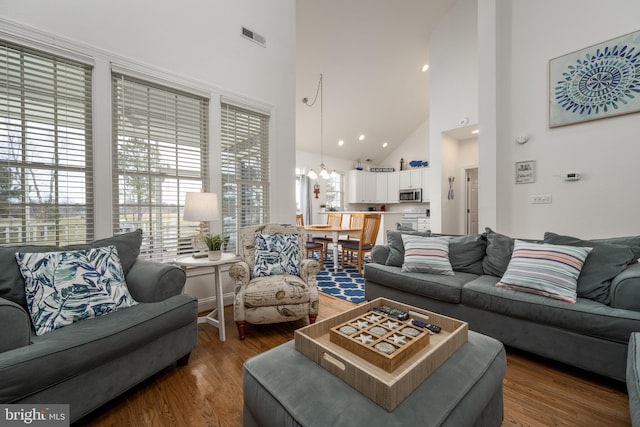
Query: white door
472	200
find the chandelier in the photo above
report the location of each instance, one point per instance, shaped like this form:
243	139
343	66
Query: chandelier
324	173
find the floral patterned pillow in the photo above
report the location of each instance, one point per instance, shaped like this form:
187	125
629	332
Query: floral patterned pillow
65	287
276	254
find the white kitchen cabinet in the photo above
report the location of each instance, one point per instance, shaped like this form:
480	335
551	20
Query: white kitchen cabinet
361	187
393	187
426	177
424	224
411	178
381	187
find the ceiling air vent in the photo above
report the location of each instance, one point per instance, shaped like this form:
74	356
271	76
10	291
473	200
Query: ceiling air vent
254	37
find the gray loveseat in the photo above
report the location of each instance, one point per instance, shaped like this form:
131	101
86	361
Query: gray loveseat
591	334
91	361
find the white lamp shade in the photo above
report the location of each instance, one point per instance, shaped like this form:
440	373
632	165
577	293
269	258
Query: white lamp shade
201	207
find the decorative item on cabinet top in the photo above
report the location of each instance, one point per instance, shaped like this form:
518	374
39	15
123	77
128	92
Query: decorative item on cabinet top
383	169
418	163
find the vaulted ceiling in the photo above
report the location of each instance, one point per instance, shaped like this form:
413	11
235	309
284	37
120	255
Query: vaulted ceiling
371	54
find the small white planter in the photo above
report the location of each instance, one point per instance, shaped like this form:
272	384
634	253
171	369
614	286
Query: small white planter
215	255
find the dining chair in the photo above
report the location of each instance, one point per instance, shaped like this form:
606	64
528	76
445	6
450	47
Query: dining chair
312	246
333	219
356	221
367	239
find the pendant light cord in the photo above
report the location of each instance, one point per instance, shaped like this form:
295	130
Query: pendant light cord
319	91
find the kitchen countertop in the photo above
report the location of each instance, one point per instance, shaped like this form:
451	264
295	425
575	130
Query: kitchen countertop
378	212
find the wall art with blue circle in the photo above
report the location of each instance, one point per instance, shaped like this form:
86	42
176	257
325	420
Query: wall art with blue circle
597	82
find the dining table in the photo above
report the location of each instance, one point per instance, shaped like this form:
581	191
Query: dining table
335	231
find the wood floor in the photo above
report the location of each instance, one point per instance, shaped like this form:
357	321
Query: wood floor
208	391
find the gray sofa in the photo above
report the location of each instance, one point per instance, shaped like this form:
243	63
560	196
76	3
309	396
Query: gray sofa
633	378
591	334
91	361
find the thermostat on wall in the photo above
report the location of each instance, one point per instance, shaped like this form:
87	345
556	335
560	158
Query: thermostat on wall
571	176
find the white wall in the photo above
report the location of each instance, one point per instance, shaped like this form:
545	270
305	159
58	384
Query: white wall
450	208
457	155
453	95
415	147
510	55
195	40
605	202
191	43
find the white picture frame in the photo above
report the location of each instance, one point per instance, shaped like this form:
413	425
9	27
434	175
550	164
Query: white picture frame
526	172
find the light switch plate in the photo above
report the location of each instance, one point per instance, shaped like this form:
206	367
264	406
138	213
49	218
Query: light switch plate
541	199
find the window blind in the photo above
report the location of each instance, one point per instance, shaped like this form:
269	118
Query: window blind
245	170
160	140
46	174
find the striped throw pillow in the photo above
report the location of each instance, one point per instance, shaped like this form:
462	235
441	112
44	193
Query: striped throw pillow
543	269
426	255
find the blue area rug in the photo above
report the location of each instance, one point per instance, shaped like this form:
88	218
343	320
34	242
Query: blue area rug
346	284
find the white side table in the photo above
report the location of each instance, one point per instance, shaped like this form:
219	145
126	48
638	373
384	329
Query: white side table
226	258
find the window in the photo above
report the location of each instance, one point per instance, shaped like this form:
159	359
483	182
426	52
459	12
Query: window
335	192
245	170
160	141
46	176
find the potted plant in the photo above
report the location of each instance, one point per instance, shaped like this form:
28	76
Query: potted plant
323	208
214	243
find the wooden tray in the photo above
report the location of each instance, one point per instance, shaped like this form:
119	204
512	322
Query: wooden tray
386	388
381	340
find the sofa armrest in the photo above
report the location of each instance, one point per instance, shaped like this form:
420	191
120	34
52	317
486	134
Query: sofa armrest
309	269
240	273
625	289
379	254
150	281
633	378
16	330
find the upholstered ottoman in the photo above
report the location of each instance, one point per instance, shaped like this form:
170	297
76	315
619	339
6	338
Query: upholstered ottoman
282	387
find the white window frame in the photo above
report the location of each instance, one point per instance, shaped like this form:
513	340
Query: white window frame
171	128
46	141
252	185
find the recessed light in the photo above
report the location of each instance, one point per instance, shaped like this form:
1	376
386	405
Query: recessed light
361	137
475	131
340	143
425	67
385	144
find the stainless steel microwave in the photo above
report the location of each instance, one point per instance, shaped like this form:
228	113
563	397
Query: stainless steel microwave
411	195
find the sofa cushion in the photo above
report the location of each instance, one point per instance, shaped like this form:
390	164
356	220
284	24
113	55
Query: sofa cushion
466	253
12	283
128	245
68	286
544	269
426	254
396	246
436	286
276	254
585	316
498	253
279	289
104	339
604	263
632	242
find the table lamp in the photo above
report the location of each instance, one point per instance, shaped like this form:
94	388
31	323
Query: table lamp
201	206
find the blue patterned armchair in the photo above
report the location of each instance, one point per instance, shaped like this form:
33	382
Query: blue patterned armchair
274	282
